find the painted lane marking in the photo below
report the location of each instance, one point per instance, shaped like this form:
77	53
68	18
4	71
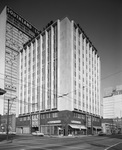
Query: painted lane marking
112	146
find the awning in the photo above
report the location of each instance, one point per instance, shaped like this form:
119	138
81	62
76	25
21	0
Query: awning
76	126
97	127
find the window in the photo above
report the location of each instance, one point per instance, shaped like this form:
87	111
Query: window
42	116
54	115
75	55
79	115
79	43
83	116
74	101
48	115
75	74
28	117
79	77
74	46
75	37
20	119
24	118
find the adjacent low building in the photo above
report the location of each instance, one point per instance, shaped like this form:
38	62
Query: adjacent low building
58	123
112	126
11	123
112	102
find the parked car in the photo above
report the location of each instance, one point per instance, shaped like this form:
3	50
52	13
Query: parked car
101	133
37	133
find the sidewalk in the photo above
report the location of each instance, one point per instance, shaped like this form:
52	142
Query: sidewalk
72	136
46	136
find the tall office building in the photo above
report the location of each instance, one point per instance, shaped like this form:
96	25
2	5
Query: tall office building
14	32
112	103
61	72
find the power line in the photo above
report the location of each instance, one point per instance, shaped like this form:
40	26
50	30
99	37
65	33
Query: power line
58	95
31	84
42	89
48	90
45	91
111	75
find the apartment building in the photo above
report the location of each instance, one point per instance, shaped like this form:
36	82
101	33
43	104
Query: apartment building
14	32
60	81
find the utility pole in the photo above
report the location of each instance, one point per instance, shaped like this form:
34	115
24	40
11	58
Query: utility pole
86	123
92	124
8	118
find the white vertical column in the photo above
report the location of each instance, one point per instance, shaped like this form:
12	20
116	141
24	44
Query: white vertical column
92	100
58	61
23	82
81	69
36	92
77	72
94	80
96	84
88	51
72	65
52	60
31	74
46	67
40	72
95	87
85	72
90	88
28	103
20	79
27	52
99	84
92	83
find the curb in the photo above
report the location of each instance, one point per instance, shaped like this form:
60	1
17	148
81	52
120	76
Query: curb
5	142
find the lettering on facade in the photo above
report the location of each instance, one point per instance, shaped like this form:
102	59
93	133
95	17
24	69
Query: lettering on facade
73	121
12	13
54	121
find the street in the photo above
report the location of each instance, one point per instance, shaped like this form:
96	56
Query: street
62	143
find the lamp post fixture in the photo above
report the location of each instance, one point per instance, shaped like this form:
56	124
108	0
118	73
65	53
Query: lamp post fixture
2	92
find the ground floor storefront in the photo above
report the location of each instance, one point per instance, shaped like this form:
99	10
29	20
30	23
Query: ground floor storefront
62	130
61	123
23	130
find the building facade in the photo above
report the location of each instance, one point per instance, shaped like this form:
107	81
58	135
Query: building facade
112	126
11	123
60	71
14	32
112	103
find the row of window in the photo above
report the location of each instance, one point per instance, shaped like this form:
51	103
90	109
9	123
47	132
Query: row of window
43	116
77	115
49	115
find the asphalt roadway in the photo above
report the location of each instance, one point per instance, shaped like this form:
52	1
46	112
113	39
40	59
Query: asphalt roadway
28	142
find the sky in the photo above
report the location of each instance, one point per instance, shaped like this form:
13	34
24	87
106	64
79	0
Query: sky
100	19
